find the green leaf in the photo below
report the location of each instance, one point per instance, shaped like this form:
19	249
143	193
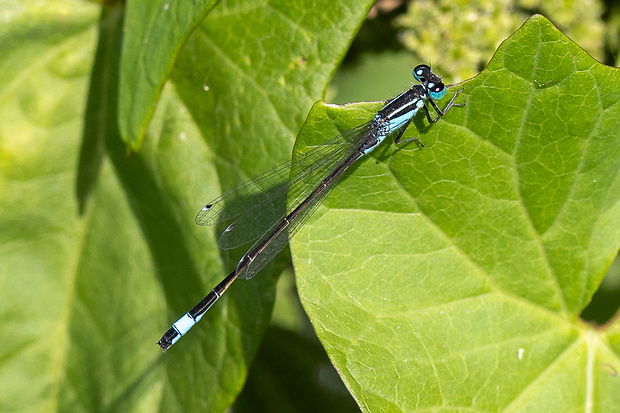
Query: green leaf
99	249
451	277
44	66
154	34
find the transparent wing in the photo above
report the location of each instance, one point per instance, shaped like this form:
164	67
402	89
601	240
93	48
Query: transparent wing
261	203
271	244
245	197
282	238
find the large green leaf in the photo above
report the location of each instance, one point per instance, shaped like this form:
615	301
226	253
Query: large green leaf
100	253
451	278
44	65
156	30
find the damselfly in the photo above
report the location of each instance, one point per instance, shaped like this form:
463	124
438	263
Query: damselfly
260	205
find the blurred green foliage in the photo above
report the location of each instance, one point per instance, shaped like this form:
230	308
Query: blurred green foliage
458	37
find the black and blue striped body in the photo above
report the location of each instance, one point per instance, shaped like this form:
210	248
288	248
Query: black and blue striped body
395	116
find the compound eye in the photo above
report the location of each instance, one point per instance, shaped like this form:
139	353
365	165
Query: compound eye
421	72
436	90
